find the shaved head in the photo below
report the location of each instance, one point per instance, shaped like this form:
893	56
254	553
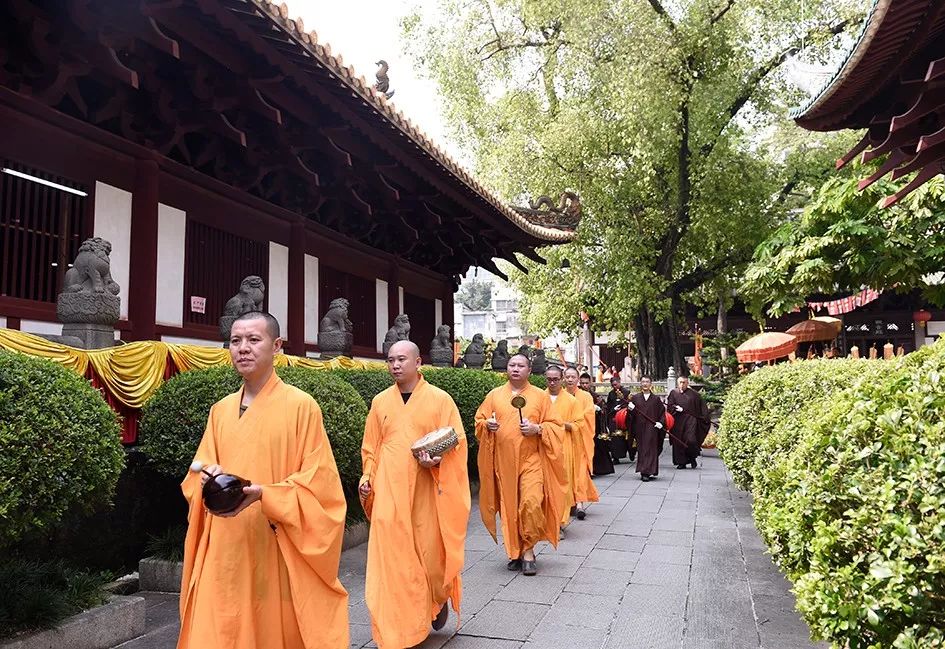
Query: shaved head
272	325
404	347
403	363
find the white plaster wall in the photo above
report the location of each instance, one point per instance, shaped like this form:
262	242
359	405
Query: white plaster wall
437	313
113	223
41	327
400	298
311	299
934	327
3	322
172	231
278	286
381	314
179	340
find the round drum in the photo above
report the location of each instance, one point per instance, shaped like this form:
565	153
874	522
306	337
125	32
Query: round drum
436	443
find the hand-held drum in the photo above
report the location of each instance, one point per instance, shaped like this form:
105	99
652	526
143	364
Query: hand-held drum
436	443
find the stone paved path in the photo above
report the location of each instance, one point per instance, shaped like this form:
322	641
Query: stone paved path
674	563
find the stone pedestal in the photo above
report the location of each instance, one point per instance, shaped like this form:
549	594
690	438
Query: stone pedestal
441	357
475	361
93	336
335	343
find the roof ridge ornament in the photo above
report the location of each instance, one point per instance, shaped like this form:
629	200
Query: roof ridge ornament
542	211
383	81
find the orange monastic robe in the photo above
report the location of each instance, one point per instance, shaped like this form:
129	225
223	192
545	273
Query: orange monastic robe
521	478
267	577
418	516
584	489
568	410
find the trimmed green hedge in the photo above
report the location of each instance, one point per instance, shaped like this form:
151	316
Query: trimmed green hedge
368	383
174	419
854	509
60	446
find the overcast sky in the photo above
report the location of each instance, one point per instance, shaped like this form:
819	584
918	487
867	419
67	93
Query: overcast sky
364	31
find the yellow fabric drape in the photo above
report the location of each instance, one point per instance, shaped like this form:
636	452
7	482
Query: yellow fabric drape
133	372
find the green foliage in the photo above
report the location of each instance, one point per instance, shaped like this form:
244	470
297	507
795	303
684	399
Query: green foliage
368	383
475	295
846	240
763	412
37	595
854	508
168	545
174	419
725	371
60	446
538	380
671	125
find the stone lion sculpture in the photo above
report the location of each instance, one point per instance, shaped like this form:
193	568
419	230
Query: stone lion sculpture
539	361
441	348
475	355
335	330
250	298
400	331
500	357
91	270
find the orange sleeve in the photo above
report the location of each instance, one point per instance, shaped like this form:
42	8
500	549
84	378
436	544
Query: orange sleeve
482	414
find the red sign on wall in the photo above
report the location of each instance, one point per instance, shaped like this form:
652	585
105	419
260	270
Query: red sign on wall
198	304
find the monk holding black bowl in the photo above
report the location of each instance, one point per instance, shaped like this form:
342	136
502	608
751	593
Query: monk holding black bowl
267	514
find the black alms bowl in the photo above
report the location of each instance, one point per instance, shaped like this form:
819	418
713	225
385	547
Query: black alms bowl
224	492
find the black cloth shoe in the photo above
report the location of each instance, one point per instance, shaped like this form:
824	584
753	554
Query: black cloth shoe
693	464
529	568
441	617
515	564
581	514
680	466
645	478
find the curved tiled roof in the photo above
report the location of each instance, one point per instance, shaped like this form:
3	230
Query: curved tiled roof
279	15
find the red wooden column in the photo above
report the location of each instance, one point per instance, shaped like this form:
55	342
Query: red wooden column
393	292
295	327
142	278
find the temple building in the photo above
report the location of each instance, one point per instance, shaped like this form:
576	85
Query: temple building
210	140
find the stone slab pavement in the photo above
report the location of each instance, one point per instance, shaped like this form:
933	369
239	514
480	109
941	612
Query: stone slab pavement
671	564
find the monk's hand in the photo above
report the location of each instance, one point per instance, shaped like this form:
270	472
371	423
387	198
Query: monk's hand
251	494
428	462
492	425
529	429
678	408
212	469
631	406
365	490
658	426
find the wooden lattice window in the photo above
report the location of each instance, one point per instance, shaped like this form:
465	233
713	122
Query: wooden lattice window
362	295
42	222
215	264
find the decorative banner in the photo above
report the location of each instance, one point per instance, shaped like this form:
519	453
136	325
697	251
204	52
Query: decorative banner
846	304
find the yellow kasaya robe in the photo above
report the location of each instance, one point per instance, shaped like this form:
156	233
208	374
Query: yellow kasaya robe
584	489
418	515
521	478
267	577
567	410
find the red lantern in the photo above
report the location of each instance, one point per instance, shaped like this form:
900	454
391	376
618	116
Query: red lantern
620	419
670	421
922	316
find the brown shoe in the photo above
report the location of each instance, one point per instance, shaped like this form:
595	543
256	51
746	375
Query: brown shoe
440	621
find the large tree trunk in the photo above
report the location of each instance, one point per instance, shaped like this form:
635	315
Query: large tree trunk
657	345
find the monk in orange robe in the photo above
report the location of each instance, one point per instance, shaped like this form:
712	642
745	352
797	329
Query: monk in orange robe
418	507
584	489
266	573
521	466
566	409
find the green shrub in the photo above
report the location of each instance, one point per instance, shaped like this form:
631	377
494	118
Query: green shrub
764	412
60	446
168	545
368	383
37	595
538	380
175	418
848	493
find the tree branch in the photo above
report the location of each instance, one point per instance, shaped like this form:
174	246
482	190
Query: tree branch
661	12
701	275
717	17
758	75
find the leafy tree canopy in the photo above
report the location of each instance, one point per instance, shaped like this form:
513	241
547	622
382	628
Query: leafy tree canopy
668	121
475	295
845	241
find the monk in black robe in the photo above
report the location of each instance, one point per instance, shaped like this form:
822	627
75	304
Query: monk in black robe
692	424
617	400
647	422
602	464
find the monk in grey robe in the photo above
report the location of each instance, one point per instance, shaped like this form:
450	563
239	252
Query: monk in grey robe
692	424
647	422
